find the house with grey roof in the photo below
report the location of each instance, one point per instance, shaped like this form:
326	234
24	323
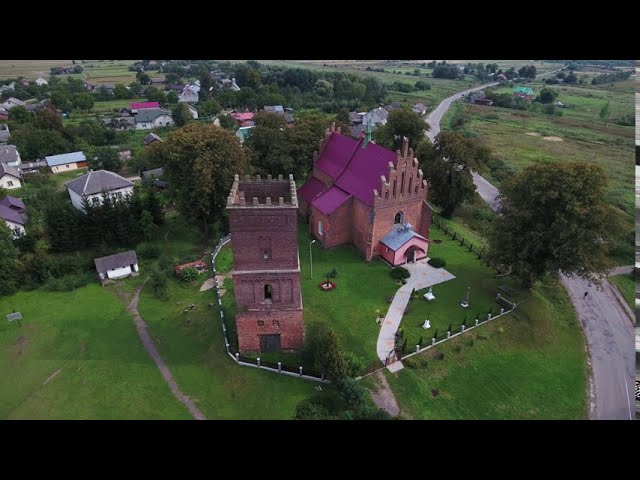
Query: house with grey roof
13	212
377	116
10	177
9	155
150	138
41	81
5	134
189	94
149	118
92	186
420	108
124	122
11	102
66	161
153	173
119	265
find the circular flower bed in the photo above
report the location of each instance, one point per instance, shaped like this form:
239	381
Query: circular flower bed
327	286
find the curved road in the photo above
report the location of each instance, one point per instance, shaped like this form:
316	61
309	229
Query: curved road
608	326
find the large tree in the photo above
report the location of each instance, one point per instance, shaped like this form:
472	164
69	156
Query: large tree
105	158
552	218
269	147
181	114
401	123
447	166
199	162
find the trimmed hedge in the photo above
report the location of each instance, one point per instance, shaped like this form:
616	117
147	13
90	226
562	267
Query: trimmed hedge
399	273
437	262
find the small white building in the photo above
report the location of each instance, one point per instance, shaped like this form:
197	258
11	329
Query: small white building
93	185
152	118
420	108
377	116
10	177
9	155
13	212
116	266
41	81
189	94
66	161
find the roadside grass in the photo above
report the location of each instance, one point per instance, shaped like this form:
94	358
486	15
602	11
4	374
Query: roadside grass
626	284
527	365
86	335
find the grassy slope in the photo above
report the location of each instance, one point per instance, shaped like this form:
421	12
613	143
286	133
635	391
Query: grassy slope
106	373
530	365
626	284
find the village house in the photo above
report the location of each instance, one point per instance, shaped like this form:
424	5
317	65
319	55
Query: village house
152	118
116	266
66	161
158	81
229	83
119	123
11	102
33	107
377	116
243	133
150	138
32	167
41	81
274	109
9	155
4	114
525	93
152	174
369	196
242	118
93	185
420	108
5	134
10	177
89	86
136	106
392	106
355	118
189	94
109	87
13	212
8	88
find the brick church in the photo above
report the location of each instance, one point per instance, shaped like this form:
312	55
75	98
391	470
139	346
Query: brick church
263	220
367	195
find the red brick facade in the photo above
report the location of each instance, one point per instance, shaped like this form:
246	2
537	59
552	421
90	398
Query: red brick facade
266	266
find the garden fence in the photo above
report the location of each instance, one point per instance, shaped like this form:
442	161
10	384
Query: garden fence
248	361
478	250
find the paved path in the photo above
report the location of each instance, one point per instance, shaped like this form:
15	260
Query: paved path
422	276
141	326
608	330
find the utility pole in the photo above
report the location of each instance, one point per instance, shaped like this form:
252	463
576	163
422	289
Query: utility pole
311	259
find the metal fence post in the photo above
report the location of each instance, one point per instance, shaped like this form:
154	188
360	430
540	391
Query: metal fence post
476	322
448	334
258	361
501	311
279	366
462	329
237	357
488	316
417	348
300	371
433	341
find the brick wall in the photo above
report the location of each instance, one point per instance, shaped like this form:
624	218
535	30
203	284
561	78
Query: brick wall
336	227
287	323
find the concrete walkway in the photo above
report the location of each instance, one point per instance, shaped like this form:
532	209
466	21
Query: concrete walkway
423	275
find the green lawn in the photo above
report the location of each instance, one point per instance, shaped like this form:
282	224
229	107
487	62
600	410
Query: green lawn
527	365
445	310
105	371
626	284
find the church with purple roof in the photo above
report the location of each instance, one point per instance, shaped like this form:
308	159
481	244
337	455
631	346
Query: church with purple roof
367	195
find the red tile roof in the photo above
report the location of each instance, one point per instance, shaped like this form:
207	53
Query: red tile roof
137	106
329	201
311	189
241	117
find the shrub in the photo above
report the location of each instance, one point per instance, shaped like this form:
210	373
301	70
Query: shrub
188	274
158	281
352	393
67	283
355	364
309	409
437	262
367	412
400	273
148	250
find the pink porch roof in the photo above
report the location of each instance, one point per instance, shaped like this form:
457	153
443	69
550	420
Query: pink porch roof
311	189
242	116
138	106
331	200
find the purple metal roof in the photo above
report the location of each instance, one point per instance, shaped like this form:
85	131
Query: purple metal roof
336	154
12	215
14	202
329	201
311	189
362	175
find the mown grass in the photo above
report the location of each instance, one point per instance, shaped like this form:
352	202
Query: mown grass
527	365
86	335
626	284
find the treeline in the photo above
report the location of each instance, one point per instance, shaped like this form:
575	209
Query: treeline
610	77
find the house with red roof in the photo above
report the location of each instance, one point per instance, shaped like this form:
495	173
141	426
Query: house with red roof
367	195
242	118
141	105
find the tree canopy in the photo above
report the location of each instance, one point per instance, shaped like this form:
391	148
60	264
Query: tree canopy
401	123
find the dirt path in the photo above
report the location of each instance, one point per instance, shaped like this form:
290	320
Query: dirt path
383	397
153	353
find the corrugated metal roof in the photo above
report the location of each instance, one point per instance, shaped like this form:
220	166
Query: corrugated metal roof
97	182
311	189
336	154
331	200
118	260
65	158
399	235
8	153
136	106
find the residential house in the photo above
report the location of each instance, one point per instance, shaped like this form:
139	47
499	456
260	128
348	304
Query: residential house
9	155
176	87
32	107
242	117
153	173
420	108
11	102
8	88
150	138
274	109
152	118
5	134
501	77
195	86
4	114
89	86
32	167
525	93
355	118
109	87
66	161
13	212
158	81
243	133
358	130
125	122
134	107
189	94
93	185
193	111
10	177
392	106
377	116
116	266
41	81
226	83
367	195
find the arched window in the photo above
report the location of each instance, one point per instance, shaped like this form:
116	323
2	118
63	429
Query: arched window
268	293
399	218
319	228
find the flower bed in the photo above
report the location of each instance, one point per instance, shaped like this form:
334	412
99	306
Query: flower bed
327	286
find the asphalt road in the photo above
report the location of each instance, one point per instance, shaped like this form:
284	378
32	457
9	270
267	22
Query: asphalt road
608	328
